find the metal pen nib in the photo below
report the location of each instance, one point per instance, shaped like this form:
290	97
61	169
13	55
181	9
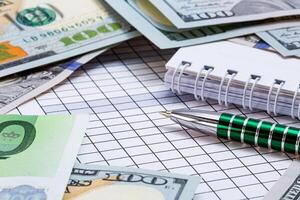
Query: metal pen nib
167	114
203	121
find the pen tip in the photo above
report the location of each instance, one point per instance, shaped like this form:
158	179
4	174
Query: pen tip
166	113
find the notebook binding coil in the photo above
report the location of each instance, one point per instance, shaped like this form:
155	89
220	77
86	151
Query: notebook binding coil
255	79
180	75
280	83
294	102
208	70
228	77
232	75
183	65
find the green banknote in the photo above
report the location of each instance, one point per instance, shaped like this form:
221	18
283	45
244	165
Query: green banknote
155	26
197	13
39	32
285	40
116	183
37	154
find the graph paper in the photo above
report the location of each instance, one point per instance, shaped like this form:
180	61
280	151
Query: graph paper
123	91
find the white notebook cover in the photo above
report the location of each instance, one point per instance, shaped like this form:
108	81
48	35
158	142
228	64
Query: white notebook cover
245	60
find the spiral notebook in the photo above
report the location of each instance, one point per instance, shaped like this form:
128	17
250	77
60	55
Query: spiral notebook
232	73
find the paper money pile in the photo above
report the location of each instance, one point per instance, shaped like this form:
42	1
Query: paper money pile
42	42
36	33
177	23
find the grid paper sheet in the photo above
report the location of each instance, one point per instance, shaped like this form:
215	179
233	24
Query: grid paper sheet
123	90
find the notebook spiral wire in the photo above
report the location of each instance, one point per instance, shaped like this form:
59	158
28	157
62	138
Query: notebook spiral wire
183	65
204	74
229	75
254	79
294	102
208	70
280	84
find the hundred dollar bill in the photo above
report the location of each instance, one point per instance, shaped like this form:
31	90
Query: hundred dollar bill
23	86
37	154
284	40
39	32
111	183
255	42
252	41
197	13
288	186
150	22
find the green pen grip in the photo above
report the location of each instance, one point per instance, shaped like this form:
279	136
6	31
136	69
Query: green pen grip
259	133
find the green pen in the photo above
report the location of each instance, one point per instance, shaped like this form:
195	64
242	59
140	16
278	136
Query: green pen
238	128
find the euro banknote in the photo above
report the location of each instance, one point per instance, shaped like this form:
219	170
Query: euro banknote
39	32
198	13
284	40
148	20
23	86
288	186
37	154
89	182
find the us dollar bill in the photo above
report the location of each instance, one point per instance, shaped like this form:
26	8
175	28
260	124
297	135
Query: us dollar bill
255	42
39	32
37	154
197	13
284	40
288	186
156	27
89	182
252	41
23	86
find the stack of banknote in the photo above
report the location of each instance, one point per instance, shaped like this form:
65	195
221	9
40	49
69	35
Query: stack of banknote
43	41
177	23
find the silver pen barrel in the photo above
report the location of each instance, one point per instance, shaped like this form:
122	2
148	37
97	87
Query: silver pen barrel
203	121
